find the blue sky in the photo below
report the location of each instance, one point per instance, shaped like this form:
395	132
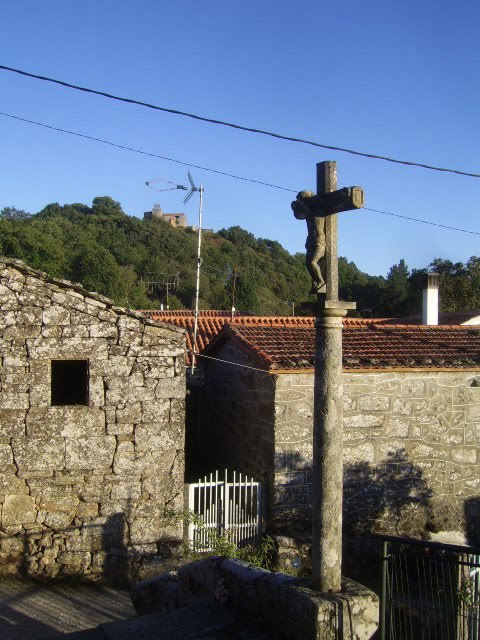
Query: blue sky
396	78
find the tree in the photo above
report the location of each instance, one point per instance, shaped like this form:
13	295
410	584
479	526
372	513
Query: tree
416	285
397	289
111	252
95	268
12	213
50	211
459	283
239	237
367	291
245	293
106	206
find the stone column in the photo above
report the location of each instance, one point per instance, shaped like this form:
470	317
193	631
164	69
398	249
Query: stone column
327	450
327	486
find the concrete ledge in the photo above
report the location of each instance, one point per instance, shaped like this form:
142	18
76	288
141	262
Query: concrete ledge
283	604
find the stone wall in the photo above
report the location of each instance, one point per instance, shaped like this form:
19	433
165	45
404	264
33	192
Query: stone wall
410	444
410	451
237	416
84	486
284	606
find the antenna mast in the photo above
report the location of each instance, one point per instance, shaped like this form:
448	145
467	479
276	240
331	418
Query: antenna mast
199	262
190	193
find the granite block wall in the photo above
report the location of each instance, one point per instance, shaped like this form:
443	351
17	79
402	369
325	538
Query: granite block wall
86	484
410	451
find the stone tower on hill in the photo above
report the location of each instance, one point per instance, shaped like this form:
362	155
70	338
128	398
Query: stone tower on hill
174	219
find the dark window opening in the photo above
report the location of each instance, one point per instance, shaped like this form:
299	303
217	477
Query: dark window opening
69	382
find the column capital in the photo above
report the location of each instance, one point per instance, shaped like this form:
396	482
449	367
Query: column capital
332	308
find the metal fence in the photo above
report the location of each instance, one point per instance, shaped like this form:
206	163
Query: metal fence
227	504
430	591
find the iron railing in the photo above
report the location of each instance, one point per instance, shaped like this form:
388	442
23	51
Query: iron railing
430	591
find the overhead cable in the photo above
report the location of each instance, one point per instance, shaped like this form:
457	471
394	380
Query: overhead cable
223	173
435	224
234	364
146	153
237	126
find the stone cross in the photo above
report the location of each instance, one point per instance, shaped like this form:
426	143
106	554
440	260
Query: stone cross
320	213
327	467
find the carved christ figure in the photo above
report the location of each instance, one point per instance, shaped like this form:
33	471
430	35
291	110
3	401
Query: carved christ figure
315	244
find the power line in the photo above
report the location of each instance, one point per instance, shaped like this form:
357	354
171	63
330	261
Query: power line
223	173
237	126
146	153
234	364
435	224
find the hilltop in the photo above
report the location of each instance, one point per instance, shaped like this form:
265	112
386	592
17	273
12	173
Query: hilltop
116	254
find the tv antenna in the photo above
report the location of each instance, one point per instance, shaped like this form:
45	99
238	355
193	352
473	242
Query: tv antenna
162	282
191	190
149	183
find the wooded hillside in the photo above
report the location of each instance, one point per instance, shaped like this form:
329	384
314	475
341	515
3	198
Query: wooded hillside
115	254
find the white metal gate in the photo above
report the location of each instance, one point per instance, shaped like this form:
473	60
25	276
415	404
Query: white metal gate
230	505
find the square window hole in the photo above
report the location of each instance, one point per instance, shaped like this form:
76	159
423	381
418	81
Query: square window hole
69	383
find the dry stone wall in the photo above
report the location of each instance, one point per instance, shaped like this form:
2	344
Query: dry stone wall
85	487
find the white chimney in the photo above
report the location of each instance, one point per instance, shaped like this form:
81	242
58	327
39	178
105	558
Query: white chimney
430	300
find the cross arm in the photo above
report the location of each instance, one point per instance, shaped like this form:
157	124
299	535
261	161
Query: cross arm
346	199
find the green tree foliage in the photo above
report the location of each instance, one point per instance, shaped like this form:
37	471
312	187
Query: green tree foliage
245	293
113	253
106	206
459	283
397	289
367	291
11	213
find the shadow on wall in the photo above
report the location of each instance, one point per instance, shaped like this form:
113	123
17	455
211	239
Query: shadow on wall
392	497
236	418
115	541
94	549
472	520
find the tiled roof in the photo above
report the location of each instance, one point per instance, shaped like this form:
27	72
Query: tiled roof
211	322
447	317
365	346
187	313
286	342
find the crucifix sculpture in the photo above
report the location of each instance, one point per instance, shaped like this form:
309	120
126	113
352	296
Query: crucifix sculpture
320	213
327	467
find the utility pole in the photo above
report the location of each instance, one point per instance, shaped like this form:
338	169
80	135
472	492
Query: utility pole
233	290
191	190
199	262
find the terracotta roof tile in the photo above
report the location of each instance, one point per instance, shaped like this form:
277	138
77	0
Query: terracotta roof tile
211	322
364	347
286	342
